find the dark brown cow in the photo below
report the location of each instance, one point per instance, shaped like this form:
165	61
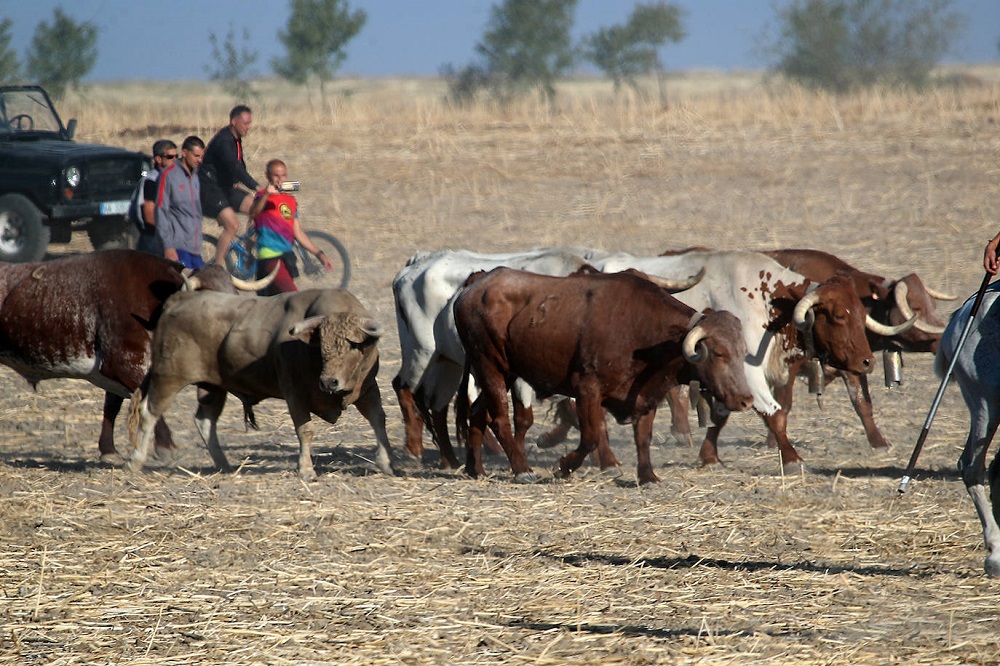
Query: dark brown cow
90	317
615	342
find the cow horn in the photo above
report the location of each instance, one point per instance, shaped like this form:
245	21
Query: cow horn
693	348
191	282
255	285
886	330
939	295
677	285
903	304
803	316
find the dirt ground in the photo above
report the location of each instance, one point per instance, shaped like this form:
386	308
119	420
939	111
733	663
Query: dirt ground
732	564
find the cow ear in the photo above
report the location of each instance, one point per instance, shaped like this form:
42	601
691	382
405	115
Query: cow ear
304	329
366	328
792	292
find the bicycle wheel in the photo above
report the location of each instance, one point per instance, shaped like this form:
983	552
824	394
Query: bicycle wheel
240	263
311	273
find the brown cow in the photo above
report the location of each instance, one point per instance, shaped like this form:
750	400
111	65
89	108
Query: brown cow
91	317
615	342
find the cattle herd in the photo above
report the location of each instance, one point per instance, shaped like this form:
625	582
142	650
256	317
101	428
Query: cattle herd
602	332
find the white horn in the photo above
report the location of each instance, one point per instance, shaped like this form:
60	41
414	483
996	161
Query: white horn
939	295
878	327
803	316
901	291
690	346
254	285
677	285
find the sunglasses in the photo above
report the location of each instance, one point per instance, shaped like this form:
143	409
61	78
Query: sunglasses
169	157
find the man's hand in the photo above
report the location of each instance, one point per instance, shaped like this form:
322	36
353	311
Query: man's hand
990	262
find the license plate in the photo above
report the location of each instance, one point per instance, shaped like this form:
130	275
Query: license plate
114	207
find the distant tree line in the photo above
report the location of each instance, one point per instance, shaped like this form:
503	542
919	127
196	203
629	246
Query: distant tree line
830	44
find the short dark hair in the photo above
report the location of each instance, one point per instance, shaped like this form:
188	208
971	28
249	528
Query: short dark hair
238	111
192	142
273	163
162	146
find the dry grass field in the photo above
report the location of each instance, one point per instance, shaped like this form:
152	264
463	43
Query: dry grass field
732	565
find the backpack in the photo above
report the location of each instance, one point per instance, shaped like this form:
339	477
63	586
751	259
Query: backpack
137	199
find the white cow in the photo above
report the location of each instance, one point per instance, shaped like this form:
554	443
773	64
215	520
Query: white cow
977	372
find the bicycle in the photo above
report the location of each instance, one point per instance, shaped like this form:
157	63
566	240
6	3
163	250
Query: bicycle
241	259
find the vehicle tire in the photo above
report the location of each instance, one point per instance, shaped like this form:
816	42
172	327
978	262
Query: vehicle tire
112	232
23	235
311	273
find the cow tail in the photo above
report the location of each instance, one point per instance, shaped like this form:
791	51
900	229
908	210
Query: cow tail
249	418
462	408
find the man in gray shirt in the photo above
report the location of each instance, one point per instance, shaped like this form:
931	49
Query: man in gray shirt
178	206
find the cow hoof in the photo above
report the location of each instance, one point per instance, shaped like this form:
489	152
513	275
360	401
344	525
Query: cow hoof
307	476
992	566
526	477
113	458
165	454
682	438
794	468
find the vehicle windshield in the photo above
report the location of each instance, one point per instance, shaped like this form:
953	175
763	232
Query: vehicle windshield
27	111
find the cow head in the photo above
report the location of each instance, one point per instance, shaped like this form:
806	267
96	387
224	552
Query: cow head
348	346
216	278
910	300
716	348
836	319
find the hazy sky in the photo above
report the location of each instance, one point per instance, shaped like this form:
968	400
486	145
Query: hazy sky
168	39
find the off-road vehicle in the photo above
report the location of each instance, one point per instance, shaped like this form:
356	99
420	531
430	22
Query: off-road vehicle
51	186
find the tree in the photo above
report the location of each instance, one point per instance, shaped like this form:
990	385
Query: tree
61	53
623	52
232	64
314	39
527	45
843	44
10	67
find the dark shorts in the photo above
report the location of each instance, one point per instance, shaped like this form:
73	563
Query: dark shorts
214	199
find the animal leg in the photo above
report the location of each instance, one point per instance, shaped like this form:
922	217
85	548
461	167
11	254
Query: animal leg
972	465
679	400
438	425
106	441
524	417
370	406
709	453
857	390
642	429
146	411
302	420
565	417
474	445
211	401
593	435
413	422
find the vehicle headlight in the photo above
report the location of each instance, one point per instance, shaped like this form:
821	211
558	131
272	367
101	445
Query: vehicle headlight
73	176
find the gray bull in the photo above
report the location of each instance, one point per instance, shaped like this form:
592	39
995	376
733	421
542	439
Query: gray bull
317	349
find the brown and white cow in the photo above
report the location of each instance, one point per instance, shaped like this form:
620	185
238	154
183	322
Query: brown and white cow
316	349
615	342
91	317
892	302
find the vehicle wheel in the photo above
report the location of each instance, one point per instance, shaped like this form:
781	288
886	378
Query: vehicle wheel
111	233
311	273
23	235
240	265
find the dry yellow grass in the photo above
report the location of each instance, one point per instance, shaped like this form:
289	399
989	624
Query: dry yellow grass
729	565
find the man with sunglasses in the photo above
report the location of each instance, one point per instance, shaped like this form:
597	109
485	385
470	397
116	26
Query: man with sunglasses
164	153
178	206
